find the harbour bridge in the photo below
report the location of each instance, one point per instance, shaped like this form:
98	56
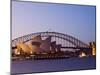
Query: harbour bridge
66	41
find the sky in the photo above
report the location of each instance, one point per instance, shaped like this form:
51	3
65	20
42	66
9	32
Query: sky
78	21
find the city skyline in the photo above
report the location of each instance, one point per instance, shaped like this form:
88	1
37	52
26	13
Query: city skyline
75	20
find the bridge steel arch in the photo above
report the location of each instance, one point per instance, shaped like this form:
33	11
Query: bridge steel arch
67	38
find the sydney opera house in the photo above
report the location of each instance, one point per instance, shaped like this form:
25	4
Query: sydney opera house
37	45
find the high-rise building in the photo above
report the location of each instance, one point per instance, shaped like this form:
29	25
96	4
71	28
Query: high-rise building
93	47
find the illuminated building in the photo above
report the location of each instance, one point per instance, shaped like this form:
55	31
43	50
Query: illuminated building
21	47
93	46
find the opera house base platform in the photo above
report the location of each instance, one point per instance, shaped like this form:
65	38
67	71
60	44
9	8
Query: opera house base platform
39	58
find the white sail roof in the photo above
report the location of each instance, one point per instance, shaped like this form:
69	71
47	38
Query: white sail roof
45	44
25	48
31	47
36	38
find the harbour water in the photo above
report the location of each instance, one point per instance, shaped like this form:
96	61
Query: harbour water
51	65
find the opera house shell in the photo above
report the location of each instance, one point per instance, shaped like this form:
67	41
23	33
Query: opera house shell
36	44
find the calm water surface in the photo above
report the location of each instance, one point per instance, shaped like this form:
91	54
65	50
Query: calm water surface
29	66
